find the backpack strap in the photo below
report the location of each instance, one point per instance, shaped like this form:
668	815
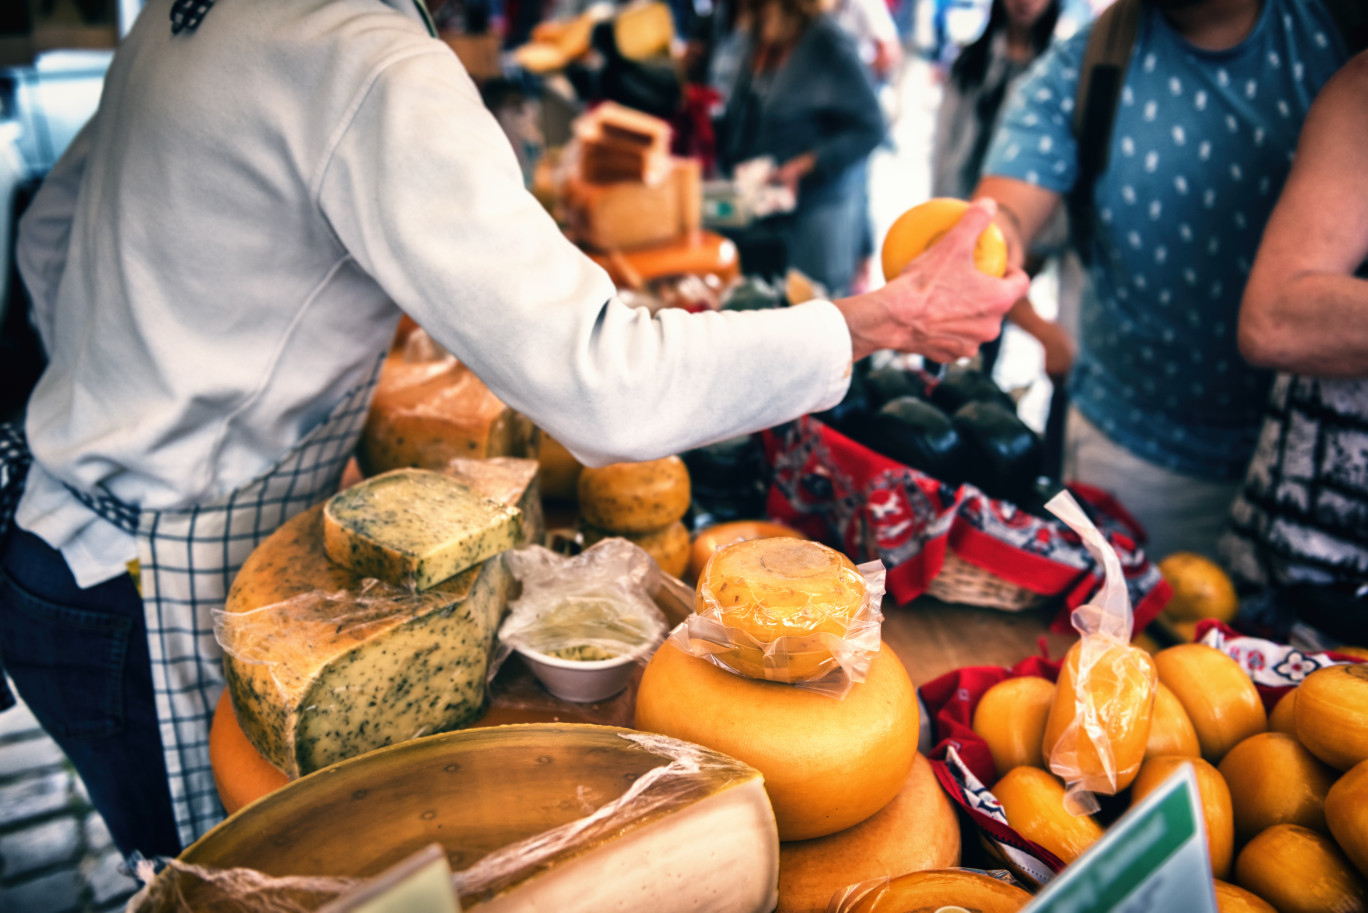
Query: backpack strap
1351	16
1100	78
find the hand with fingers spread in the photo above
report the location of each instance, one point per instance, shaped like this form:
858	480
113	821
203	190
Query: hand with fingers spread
941	306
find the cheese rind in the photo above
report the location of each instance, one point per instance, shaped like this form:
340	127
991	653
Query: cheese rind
635	497
415	527
321	668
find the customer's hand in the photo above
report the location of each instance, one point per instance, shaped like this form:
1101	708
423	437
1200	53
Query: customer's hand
941	306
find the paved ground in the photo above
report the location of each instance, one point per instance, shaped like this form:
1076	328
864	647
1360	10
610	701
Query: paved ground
55	852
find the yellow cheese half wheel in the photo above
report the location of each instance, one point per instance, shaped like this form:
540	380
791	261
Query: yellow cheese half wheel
1033	801
828	764
635	497
923	225
917	830
1216	803
1300	871
1120	685
1220	700
714	537
927	892
669	545
1233	899
1283	718
1011	716
1332	714
1273	779
1346	812
780	587
1171	731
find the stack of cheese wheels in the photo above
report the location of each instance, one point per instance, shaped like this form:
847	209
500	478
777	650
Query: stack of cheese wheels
642	502
851	796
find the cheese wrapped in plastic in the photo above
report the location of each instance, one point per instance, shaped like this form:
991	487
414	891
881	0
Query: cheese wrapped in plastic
1099	723
429	409
787	610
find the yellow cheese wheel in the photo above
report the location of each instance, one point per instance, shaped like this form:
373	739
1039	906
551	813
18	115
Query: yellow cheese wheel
1011	716
1233	899
669	545
1284	715
714	537
1346	812
1216	803
1220	700
828	764
1033	801
1332	714
1300	871
917	830
1201	588
776	588
1273	779
635	497
1171	731
1121	686
923	225
928	892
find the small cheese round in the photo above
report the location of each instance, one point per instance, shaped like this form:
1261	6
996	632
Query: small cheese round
635	497
669	545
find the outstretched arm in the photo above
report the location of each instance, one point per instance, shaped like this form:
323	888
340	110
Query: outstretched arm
1303	309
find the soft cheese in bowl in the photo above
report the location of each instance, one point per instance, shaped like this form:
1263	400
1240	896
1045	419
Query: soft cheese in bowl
581	624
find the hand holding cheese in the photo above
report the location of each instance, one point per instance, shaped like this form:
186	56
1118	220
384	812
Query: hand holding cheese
941	305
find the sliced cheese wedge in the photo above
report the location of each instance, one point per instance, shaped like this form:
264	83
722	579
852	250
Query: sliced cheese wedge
321	668
557	817
415	527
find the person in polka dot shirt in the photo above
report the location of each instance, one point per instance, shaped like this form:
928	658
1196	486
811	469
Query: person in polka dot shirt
1165	411
1302	517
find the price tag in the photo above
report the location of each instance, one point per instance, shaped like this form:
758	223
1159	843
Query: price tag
1153	858
419	884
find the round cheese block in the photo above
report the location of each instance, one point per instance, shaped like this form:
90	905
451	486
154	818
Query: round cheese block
1332	714
1216	803
1011	716
776	588
828	764
936	890
1104	756
1220	700
917	830
1232	899
635	497
1273	779
724	534
1298	870
924	224
1033	801
1283	717
669	545
1171	732
1346	812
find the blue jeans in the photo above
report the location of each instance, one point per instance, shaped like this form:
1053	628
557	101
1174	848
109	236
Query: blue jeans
79	659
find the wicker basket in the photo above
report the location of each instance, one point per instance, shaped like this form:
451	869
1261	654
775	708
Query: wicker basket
968	584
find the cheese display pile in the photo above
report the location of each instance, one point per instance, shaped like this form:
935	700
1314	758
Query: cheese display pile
643	503
532	817
324	662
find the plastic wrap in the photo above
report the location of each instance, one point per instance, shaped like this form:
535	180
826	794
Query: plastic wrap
595	606
508	480
951	884
831	647
1099	723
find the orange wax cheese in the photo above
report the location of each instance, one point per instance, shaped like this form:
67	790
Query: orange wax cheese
923	225
1273	779
828	764
1332	714
1171	731
634	497
1298	870
1011	717
1033	801
1220	700
1346	812
1216	803
1233	899
1118	697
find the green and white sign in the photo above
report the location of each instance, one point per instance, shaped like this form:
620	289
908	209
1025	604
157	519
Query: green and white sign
1153	858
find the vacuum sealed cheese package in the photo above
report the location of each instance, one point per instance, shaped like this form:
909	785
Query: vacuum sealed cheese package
1099	722
787	610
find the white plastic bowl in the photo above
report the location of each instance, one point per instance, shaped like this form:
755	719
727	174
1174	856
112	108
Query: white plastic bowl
580	681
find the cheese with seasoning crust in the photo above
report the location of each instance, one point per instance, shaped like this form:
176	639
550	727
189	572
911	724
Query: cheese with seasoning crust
415	527
323	665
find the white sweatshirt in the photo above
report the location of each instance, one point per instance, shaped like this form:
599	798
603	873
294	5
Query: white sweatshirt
227	245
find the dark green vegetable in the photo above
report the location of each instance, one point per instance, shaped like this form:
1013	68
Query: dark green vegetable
1003	456
917	434
963	385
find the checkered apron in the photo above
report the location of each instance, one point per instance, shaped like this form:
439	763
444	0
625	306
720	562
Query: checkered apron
188	559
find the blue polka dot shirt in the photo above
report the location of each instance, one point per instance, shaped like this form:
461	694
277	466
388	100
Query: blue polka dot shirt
1201	146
